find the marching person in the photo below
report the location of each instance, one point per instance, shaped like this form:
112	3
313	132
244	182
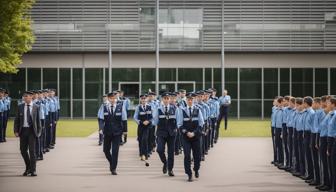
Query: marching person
224	102
27	126
191	123
165	117
126	102
101	121
143	116
114	115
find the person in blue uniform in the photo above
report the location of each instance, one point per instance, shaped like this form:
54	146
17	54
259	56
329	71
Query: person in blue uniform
284	132
224	102
323	143
7	103
126	102
101	121
274	108
114	114
314	138
154	103
174	102
214	112
165	120
2	111
191	122
290	126
205	111
39	140
278	129
331	143
143	116
182	98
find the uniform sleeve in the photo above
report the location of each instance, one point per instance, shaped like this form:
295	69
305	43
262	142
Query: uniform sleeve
229	99
135	116
155	116
178	117
100	113
200	119
124	113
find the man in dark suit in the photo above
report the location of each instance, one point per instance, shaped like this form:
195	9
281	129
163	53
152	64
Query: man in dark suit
27	126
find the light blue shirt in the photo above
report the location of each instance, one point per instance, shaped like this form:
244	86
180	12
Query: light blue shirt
101	111
225	100
319	115
332	126
214	108
2	105
309	119
186	109
52	105
279	117
325	123
290	117
300	120
274	108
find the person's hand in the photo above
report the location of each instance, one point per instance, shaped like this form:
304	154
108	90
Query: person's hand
101	132
316	147
145	122
328	153
16	134
190	134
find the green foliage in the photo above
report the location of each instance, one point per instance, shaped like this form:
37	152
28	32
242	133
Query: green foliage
16	35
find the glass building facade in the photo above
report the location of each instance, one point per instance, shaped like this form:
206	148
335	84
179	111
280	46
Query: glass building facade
252	89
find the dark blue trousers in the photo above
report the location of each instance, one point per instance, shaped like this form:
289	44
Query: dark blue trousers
143	133
161	144
112	141
193	146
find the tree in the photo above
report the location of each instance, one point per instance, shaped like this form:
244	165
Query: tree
16	35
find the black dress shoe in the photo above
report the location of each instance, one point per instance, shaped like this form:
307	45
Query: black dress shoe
190	178
196	174
33	174
164	169
171	173
309	181
315	183
325	188
26	173
114	172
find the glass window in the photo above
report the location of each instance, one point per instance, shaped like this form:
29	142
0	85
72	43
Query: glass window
64	92
233	108
321	82
125	74
147	74
34	78
77	80
65	107
207	78
91	108
231	79
268	104
78	108
49	78
333	81
250	83
167	74
93	83
251	108
284	82
302	82
217	80
270	83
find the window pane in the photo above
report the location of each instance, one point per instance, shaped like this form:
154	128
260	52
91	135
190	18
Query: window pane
93	84
250	108
15	83
77	83
270	83
231	82
91	108
333	81
321	82
217	80
34	78
268	104
302	82
233	108
50	78
284	82
250	83
64	92
167	74
129	74
65	107
207	77
77	108
147	74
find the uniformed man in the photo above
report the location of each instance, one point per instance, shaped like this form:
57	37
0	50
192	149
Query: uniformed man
174	102
127	103
2	111
214	113
143	116
114	114
27	126
224	102
165	119
290	126
323	146
331	143
278	129
307	128
47	124
154	103
7	103
297	136
300	142
55	116
39	140
205	112
191	123
101	121
314	138
182	98
284	132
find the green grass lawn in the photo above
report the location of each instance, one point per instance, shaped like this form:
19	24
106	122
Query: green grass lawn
84	128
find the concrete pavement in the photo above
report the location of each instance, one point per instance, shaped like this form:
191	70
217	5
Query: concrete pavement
78	164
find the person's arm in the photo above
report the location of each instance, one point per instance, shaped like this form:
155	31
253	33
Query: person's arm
17	121
155	116
124	113
136	115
